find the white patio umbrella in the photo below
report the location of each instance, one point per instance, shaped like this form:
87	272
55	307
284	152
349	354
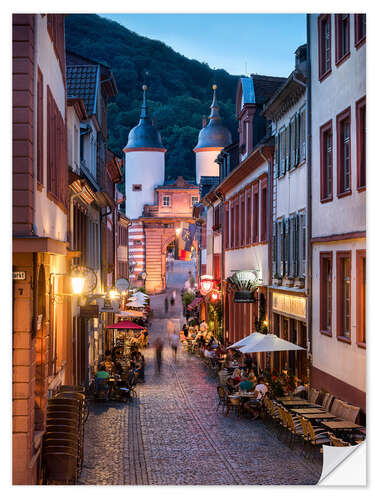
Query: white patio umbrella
135	303
141	294
271	343
247	341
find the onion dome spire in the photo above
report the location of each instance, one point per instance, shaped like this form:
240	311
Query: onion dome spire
145	134
214	134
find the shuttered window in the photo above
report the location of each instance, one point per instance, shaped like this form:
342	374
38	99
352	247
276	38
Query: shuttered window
302	135
277	155
293	142
287	148
282	151
280	247
274	248
286	247
255	237
248	217
40	124
302	244
243	221
292	235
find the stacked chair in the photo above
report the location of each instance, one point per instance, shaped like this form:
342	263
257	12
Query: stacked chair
64	437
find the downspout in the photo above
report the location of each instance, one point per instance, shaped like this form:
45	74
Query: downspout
309	205
269	230
101	245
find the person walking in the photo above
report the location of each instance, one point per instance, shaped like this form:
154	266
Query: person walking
159	354
173	298
174	340
166	305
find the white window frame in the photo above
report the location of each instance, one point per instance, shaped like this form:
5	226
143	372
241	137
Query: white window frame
164	197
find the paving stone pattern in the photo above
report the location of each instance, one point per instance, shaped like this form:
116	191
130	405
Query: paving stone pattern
172	433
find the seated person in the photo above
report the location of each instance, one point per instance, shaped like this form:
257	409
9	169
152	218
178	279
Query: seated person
101	381
230	385
300	389
246	385
109	364
236	376
255	403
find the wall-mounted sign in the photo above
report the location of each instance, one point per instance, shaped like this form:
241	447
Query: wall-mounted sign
244	297
108	305
89	311
19	275
289	304
207	284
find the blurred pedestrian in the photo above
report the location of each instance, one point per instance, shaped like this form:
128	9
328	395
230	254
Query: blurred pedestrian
166	305
174	340
173	298
159	354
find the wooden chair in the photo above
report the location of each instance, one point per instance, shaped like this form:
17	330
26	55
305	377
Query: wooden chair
72	388
282	421
233	404
294	428
313	395
335	441
337	407
328	402
351	413
60	467
223	397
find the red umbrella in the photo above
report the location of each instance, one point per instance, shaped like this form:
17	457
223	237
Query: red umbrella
126	325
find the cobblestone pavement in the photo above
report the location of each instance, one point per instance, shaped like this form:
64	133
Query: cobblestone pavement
173	435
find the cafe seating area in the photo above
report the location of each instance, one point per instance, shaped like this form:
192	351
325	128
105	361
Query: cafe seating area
321	419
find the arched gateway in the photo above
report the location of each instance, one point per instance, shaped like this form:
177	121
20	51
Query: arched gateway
157	208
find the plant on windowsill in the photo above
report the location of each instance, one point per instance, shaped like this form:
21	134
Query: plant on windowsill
289	281
277	279
300	281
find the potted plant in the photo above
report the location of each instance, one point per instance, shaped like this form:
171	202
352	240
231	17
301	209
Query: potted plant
300	282
277	279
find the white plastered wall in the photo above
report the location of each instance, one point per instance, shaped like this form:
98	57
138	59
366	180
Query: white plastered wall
205	163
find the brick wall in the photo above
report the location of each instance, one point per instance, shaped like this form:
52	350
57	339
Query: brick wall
23	81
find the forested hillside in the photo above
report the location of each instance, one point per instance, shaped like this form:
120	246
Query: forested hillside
179	88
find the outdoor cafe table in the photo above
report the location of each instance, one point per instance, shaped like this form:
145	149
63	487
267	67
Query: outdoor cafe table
341	425
319	415
236	395
306	411
297	402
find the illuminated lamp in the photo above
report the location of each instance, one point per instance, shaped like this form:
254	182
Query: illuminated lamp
78	283
214	296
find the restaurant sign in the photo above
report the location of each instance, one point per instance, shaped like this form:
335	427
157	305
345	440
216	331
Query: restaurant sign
289	304
19	275
89	311
244	297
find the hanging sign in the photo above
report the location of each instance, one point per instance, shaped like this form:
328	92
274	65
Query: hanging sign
244	297
207	284
89	311
108	305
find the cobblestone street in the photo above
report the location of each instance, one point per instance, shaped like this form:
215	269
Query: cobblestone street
173	435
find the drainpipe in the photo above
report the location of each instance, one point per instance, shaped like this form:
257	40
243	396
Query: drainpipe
102	216
299	81
309	203
269	230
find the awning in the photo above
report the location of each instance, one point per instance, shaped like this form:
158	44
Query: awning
195	303
126	325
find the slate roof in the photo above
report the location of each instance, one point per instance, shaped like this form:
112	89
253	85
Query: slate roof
265	86
82	82
207	182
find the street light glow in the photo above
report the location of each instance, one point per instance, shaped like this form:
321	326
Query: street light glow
77	284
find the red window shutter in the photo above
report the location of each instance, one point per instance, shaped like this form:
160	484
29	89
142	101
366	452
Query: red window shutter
361	141
263	215
255	236
248	217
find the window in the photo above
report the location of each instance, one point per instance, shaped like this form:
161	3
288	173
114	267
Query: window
255	237
361	142
166	201
243	226
287	147
137	187
342	37
40	123
227	226
293	142
194	200
237	224
360	29
343	153
263	215
286	242
361	297
343	295
274	248
232	223
326	165
216	217
280	248
302	243
282	151
302	135
57	164
276	160
324	30
248	217
326	293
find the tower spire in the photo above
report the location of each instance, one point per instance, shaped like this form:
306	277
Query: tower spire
214	115
144	103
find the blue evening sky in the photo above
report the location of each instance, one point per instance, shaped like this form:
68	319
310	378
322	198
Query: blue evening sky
262	43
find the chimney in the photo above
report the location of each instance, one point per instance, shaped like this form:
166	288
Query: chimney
204	121
301	59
